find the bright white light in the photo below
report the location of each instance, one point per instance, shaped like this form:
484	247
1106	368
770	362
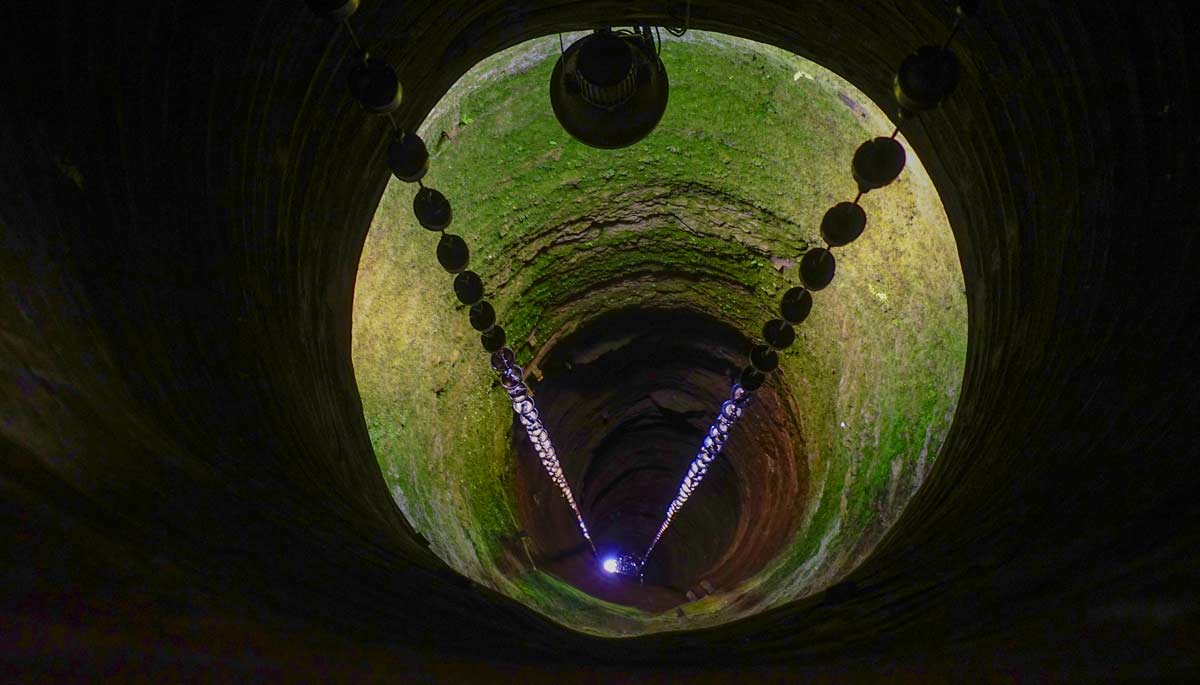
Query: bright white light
610	565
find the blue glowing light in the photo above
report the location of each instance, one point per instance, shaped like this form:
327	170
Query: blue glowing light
622	565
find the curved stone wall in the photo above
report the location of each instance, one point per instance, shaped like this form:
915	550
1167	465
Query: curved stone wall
188	481
632	284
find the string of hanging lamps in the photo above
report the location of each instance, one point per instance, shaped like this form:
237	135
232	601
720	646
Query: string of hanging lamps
374	84
924	79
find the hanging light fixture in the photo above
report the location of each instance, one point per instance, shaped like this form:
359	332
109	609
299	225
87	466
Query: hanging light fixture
609	88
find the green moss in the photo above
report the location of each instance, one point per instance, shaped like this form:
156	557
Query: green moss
733	182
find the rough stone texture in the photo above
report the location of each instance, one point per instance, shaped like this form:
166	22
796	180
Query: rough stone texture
184	191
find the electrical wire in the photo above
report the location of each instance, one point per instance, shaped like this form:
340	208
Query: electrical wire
687	22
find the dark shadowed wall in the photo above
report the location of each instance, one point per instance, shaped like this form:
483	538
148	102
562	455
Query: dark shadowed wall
187	483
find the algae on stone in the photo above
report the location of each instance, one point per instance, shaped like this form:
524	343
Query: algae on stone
702	215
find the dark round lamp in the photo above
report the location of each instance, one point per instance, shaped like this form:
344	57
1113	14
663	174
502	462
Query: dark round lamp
609	89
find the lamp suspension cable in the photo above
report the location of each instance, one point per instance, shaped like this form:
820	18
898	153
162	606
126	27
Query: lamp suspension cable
922	82
375	85
687	22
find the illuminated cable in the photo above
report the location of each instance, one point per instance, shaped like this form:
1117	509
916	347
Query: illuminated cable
731	410
511	377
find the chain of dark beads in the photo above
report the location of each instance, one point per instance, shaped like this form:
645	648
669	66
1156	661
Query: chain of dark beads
924	79
376	87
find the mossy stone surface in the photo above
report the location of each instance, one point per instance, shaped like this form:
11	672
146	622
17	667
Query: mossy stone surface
710	213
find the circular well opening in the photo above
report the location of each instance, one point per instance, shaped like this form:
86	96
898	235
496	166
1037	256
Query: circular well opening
631	283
